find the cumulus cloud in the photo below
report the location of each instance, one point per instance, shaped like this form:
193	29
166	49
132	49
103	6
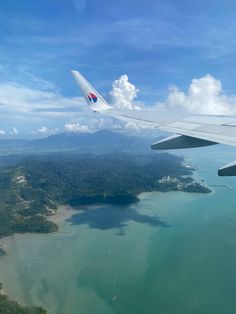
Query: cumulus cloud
40	111
48	111
77	127
123	93
204	96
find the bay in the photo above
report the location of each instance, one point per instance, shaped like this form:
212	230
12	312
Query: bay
170	253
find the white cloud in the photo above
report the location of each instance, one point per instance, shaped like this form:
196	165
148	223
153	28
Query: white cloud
21	99
123	93
132	126
14	131
45	130
204	96
47	111
29	109
40	111
77	127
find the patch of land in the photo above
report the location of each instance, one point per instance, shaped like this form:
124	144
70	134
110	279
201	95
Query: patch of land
32	190
38	193
62	213
8	306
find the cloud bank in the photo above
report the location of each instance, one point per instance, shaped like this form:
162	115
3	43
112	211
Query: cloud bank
37	112
77	127
18	98
205	95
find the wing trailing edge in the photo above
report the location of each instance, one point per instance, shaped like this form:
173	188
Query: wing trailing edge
228	170
180	142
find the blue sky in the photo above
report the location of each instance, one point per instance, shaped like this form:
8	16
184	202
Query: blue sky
156	43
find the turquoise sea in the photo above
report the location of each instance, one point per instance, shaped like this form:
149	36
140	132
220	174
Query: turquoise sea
170	253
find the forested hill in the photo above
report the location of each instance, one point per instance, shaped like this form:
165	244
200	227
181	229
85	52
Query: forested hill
33	188
87	177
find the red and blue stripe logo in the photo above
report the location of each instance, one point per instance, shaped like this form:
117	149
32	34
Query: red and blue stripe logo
92	97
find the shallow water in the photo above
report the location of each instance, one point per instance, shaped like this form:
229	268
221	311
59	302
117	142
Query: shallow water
171	253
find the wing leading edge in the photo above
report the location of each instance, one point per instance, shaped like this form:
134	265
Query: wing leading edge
191	130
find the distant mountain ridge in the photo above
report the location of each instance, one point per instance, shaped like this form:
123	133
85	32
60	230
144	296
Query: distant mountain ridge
104	141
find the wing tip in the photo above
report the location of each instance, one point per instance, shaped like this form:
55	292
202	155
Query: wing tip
92	97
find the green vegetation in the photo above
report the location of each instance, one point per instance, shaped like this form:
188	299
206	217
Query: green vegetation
88	179
11	307
17	212
32	189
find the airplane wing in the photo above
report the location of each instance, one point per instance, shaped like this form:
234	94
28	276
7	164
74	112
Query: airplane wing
190	130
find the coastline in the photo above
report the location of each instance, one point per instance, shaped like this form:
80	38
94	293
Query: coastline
77	249
62	213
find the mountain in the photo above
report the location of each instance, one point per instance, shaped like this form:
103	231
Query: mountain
104	141
12	143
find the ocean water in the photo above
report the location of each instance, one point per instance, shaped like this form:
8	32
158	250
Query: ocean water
170	253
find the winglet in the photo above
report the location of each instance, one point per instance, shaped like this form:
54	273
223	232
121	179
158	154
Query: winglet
92	97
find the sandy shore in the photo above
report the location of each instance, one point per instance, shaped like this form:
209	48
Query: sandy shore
63	212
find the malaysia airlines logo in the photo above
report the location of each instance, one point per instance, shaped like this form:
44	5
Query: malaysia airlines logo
92	97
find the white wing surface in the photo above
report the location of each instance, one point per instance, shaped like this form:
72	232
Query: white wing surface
190	130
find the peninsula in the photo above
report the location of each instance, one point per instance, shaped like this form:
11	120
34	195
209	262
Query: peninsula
32	189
